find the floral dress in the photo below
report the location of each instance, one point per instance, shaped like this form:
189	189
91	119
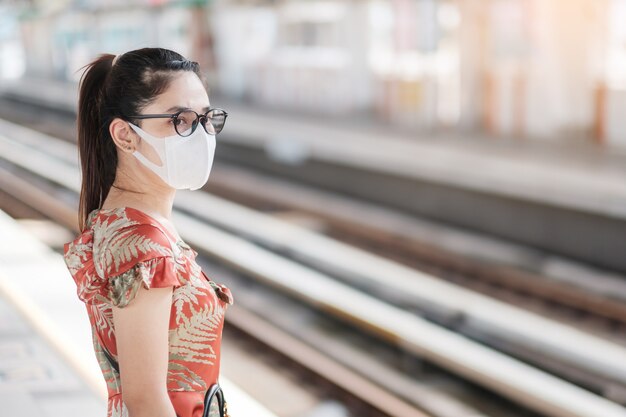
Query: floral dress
124	248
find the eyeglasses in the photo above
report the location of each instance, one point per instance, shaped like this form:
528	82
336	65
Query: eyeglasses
186	121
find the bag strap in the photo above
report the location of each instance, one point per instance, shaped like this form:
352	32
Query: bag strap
112	361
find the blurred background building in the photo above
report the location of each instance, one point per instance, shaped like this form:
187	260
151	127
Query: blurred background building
543	69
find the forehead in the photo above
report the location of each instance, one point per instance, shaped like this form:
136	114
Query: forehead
185	90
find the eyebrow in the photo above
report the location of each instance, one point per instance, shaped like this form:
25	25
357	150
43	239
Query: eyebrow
179	108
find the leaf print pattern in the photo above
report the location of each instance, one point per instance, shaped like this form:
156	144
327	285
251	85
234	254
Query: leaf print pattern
77	257
110	374
187	295
126	245
117	408
123	287
122	249
189	339
183	377
102	318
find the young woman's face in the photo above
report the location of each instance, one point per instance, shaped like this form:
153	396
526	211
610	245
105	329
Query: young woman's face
184	92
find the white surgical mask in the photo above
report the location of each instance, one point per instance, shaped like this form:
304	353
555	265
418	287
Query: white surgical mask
186	161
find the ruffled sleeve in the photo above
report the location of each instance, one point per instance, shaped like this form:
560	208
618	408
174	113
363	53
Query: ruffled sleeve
154	273
134	256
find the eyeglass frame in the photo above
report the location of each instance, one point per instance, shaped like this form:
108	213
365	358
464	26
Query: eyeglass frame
173	116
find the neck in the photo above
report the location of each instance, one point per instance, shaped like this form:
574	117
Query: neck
150	198
157	205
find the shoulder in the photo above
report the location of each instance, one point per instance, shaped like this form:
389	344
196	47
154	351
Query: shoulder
122	237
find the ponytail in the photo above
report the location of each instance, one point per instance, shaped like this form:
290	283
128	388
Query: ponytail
107	91
98	156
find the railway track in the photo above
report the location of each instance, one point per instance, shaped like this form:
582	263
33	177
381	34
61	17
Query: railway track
66	180
601	313
395	235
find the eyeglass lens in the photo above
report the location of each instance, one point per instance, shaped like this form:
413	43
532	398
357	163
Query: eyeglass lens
186	122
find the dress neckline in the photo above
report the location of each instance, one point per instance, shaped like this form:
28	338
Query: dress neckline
177	240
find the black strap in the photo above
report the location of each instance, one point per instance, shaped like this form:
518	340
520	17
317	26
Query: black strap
112	361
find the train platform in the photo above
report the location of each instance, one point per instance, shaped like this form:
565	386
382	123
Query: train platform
35	379
47	364
44	334
561	196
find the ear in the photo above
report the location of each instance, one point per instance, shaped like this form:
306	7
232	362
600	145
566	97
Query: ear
123	136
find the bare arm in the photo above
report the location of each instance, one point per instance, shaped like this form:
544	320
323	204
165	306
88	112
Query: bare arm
141	330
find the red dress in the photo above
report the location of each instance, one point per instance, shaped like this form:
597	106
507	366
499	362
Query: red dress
123	248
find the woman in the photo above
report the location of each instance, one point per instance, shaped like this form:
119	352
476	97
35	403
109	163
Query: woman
145	129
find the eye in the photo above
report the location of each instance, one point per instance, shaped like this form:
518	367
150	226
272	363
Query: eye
186	119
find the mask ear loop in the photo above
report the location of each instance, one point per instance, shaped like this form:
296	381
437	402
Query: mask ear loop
139	155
